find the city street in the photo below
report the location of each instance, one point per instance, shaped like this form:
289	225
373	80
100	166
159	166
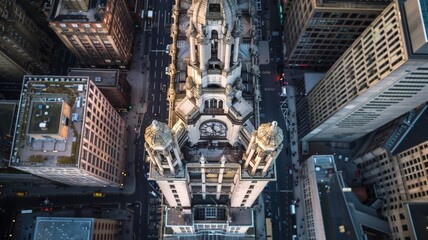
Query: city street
272	107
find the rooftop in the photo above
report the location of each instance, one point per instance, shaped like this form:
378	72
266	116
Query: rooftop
93	13
241	216
212	214
67	228
176	216
417	213
212	152
416	133
340	207
45	115
101	77
49	122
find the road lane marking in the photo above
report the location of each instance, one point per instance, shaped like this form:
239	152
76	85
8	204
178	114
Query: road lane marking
158	17
164	19
153	108
159	109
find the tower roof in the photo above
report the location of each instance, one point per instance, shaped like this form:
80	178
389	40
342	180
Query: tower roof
269	135
158	134
205	10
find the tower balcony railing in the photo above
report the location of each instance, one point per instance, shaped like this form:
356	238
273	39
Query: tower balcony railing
214	111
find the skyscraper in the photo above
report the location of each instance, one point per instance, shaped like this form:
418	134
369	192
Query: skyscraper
111	82
211	161
396	173
330	209
319	32
68	132
380	77
24	47
98	33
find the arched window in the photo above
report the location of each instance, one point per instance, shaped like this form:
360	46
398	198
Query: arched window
214	43
213	103
213	106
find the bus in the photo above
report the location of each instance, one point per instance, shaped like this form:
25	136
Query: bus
268	229
292	209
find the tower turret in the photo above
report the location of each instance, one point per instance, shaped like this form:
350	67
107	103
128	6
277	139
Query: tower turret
162	147
264	147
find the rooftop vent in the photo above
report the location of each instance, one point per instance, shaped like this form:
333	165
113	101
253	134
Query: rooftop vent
43	126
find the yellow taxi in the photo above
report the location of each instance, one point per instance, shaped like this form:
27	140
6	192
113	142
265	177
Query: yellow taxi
99	194
21	194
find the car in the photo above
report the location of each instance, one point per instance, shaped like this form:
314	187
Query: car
167	70
341	228
45	209
21	194
99	194
283	91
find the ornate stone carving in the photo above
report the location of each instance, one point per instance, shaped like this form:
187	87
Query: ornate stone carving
237	28
191	30
228	37
239	85
203	36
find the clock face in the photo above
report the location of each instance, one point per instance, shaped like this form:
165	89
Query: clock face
213	129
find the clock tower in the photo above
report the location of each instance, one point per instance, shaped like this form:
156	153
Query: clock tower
213	158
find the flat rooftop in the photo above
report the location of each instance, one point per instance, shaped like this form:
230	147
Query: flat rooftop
176	216
417	212
101	77
334	210
45	112
326	188
43	100
340	207
94	13
241	216
213	151
211	214
54	228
